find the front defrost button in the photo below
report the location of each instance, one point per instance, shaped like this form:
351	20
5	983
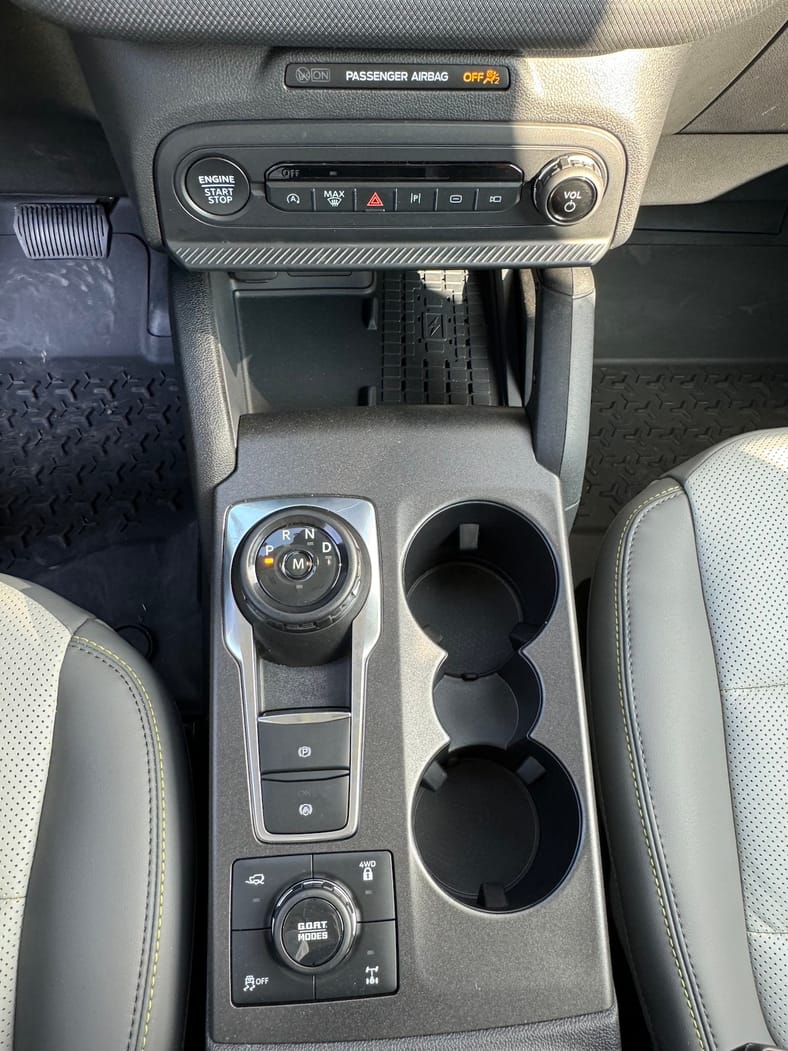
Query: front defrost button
334	198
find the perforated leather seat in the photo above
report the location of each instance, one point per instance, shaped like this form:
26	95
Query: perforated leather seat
95	830
689	696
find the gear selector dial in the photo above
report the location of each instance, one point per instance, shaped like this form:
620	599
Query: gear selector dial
299	565
301	573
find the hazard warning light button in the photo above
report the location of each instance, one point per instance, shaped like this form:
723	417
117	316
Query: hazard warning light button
374	199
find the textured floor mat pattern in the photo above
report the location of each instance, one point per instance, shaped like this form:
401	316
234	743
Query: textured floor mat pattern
95	497
646	419
435	347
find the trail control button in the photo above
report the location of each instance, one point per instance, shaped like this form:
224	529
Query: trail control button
217	186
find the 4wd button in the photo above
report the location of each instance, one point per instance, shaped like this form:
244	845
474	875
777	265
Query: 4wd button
217	186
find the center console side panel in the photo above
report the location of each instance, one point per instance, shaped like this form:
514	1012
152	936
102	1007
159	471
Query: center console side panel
462	970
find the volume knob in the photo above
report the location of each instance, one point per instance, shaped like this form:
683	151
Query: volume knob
569	189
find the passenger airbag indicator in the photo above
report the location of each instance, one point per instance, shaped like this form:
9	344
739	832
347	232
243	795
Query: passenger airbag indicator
391	77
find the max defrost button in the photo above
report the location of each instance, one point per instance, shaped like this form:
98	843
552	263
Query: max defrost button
334	198
217	186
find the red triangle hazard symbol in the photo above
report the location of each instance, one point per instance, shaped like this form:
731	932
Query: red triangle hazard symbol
375	201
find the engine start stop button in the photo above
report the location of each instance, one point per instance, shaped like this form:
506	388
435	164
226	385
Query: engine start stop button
217	186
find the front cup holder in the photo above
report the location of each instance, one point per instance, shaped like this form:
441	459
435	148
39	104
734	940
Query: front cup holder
497	818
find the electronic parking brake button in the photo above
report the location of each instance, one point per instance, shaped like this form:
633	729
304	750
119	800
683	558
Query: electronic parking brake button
310	740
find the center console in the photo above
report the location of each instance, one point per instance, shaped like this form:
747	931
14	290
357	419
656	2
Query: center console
404	838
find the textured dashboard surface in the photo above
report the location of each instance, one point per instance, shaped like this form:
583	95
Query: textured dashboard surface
587	25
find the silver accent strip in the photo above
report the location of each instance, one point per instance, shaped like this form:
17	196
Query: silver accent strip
256	256
239	639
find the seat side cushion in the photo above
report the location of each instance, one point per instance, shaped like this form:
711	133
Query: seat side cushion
104	958
32	648
661	764
739	499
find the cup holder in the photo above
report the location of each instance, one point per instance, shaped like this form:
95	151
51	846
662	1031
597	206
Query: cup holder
497	818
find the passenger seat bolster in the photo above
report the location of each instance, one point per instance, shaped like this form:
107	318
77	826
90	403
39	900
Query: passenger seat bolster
661	763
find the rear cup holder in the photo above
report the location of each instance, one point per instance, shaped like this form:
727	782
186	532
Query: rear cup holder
496	818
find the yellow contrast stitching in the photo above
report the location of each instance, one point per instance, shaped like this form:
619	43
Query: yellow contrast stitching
633	771
162	867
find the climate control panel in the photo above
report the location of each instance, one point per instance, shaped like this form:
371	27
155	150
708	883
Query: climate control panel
265	196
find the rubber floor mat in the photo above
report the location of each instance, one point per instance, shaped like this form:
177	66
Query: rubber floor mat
647	418
95	501
435	344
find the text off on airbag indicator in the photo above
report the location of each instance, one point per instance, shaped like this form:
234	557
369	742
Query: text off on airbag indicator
393	77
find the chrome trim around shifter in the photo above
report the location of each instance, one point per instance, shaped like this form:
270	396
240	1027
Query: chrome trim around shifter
239	639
